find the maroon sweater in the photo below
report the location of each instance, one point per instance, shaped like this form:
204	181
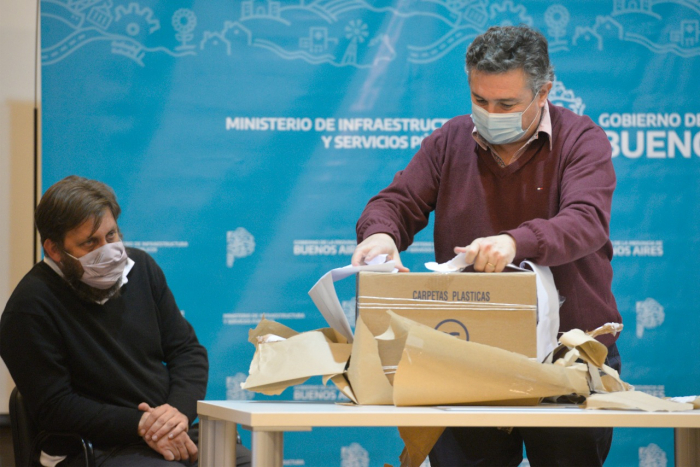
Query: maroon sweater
554	203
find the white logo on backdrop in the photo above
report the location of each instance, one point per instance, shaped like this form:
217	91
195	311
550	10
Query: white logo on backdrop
354	456
524	463
346	247
293	462
323	247
349	307
248	319
654	248
154	246
234	392
653	390
318	392
652	456
239	244
566	98
650	314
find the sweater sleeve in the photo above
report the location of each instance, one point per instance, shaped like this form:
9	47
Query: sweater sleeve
581	226
32	350
185	358
403	208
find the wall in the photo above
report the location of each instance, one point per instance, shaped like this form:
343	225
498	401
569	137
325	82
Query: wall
17	39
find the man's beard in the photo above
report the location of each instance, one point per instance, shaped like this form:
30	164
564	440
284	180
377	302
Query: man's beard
73	271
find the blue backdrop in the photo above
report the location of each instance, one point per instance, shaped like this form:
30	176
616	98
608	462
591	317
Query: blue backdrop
243	139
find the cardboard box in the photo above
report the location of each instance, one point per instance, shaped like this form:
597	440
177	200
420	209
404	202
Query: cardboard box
499	310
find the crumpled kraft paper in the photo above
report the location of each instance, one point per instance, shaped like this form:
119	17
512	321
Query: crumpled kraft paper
278	365
438	369
418	443
634	400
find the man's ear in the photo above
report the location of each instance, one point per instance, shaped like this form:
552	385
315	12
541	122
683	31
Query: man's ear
52	250
544	93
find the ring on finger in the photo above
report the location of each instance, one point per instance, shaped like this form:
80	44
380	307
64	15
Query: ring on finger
492	265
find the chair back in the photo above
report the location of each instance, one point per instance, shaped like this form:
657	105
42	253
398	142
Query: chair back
23	430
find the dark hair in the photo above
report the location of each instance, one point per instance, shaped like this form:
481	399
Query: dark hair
505	48
69	203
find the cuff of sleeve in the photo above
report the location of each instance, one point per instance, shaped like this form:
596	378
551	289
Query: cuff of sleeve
526	243
380	228
125	428
186	405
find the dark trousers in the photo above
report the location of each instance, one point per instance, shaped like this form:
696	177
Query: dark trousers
141	455
461	446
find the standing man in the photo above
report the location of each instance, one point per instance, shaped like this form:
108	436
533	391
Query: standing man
517	179
95	342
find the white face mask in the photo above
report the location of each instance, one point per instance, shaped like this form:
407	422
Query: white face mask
501	128
103	266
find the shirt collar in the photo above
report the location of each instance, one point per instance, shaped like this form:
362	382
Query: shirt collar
129	265
545	127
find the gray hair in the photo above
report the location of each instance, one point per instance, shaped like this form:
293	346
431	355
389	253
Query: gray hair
505	48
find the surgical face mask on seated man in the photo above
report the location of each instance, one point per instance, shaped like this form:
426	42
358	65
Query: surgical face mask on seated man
501	128
96	275
103	267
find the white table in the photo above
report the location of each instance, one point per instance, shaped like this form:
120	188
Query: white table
269	420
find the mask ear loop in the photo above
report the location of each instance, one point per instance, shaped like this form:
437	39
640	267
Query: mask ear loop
66	252
538	112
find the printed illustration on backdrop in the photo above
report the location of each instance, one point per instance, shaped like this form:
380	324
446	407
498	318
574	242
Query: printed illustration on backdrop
643	22
234	391
349	309
125	29
239	244
354	456
650	315
652	456
656	390
566	98
332	32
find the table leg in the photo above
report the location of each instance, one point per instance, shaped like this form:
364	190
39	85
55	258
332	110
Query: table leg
217	443
268	448
687	442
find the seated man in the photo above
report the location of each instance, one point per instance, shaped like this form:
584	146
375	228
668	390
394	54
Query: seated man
95	342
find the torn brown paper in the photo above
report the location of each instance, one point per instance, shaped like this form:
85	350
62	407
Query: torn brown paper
634	400
611	380
266	326
438	369
365	374
343	386
278	365
419	441
607	328
590	349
